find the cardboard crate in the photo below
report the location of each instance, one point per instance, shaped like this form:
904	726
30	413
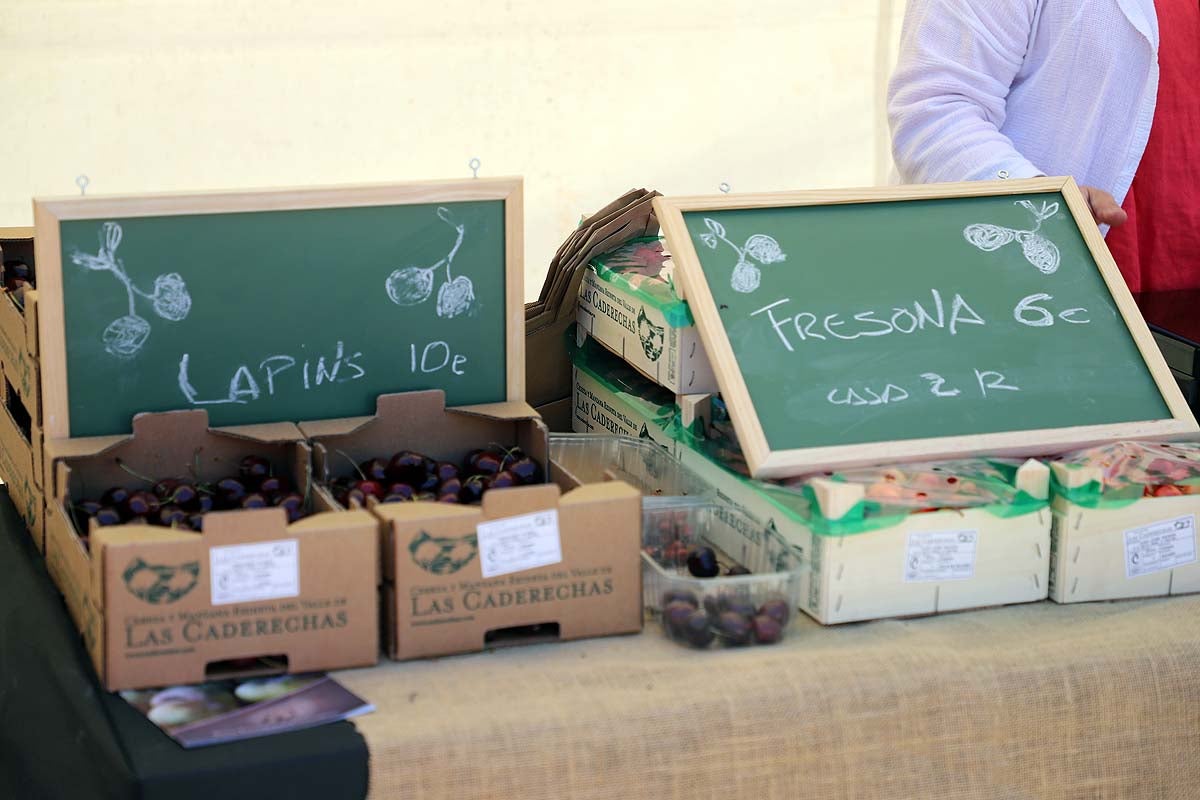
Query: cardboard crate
864	576
586	582
609	397
159	606
666	349
597	408
19	327
21	457
1141	548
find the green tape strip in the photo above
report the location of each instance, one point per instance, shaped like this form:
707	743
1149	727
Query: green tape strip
867	515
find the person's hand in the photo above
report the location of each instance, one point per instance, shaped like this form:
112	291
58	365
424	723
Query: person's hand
1104	208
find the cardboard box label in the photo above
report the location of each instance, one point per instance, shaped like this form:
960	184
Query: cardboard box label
261	571
1162	545
940	556
515	544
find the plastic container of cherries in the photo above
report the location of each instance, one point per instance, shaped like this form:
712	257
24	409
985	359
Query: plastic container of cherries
593	458
713	576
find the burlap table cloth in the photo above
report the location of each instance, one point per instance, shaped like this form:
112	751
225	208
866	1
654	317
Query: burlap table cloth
1035	701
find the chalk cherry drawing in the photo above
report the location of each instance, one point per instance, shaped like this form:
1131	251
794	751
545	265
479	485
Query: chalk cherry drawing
413	285
759	247
1037	249
170	300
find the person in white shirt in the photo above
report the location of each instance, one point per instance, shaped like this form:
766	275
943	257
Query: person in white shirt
986	89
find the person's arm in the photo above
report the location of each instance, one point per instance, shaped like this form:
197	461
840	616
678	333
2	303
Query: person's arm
946	98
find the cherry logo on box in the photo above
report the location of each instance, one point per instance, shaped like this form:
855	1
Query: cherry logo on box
443	555
160	584
651	336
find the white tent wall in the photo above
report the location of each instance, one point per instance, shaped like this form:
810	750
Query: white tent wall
585	100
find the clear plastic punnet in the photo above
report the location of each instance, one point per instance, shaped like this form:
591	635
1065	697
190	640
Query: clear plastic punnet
716	577
639	462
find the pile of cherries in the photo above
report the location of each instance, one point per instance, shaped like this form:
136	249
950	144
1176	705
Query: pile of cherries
728	615
182	503
670	542
16	275
409	475
730	618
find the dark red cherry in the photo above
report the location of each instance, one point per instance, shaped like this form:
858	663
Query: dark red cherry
509	456
767	630
445	471
484	463
164	488
184	496
448	497
17	274
355	498
204	503
450	485
473	489
526	470
429	484
374	469
407	467
231	491
195	521
271	485
370	487
140	504
734	629
107	516
85	510
254	468
778	608
172	516
702	563
503	479
293	504
255	500
115	497
401	491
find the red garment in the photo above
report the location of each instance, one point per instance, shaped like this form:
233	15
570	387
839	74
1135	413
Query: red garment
1158	248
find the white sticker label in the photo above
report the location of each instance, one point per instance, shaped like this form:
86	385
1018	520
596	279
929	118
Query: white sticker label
1164	545
940	556
261	571
514	544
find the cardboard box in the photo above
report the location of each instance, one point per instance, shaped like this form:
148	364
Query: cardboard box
439	602
19	326
863	576
556	415
609	397
436	599
21	466
160	606
1139	548
642	320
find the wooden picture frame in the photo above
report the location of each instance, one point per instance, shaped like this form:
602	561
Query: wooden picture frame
764	462
49	212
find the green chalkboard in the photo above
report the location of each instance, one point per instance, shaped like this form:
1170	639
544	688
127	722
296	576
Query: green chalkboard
280	315
871	322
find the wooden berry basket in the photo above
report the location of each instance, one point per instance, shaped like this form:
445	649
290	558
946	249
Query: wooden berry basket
1145	547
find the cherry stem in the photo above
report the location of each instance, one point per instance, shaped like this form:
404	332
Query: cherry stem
457	244
507	451
362	475
134	472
